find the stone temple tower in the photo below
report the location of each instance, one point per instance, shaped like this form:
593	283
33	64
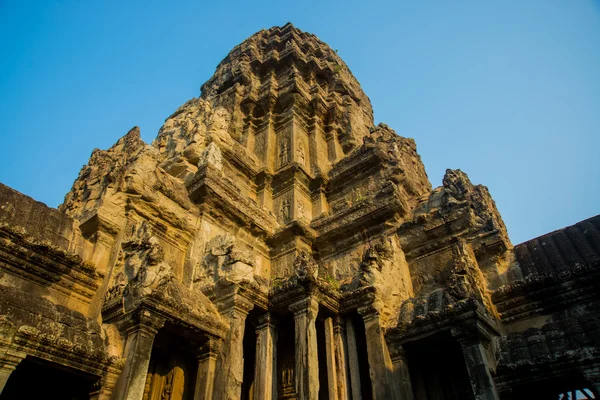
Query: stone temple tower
273	243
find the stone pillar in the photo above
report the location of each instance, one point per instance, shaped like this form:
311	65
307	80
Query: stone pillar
230	366
332	390
307	361
353	361
400	373
343	382
474	351
138	348
8	363
207	365
103	387
380	363
265	380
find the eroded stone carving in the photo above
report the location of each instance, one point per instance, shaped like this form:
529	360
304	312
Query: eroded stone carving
305	266
211	156
225	260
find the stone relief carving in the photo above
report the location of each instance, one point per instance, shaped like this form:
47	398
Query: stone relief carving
285	211
300	153
225	259
211	156
466	279
306	266
284	152
140	268
341	205
219	122
301	210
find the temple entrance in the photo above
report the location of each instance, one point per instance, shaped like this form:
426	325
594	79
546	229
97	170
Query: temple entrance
286	361
438	370
358	357
173	367
39	379
323	381
249	344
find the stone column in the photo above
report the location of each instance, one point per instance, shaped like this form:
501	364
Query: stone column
307	361
8	363
353	361
265	381
332	390
207	365
474	351
230	366
138	348
103	387
401	375
343	383
380	363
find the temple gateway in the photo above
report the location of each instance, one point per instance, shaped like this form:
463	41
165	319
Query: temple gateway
273	243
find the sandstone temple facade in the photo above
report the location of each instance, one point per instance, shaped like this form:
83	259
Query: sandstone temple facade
273	243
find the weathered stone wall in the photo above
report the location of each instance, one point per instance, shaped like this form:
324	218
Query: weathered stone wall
43	223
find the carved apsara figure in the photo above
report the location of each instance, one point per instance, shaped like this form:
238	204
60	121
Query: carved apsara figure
301	211
306	266
284	152
285	210
300	155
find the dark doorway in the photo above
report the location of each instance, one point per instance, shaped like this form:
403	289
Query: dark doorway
438	370
286	358
249	344
35	379
322	357
363	356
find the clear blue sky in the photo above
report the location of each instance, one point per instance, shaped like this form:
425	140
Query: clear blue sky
507	91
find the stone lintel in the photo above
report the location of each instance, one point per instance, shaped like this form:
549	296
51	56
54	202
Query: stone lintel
471	318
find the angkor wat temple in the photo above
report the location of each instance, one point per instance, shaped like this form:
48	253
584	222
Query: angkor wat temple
273	243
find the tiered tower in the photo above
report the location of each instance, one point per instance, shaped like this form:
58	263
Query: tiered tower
273	243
